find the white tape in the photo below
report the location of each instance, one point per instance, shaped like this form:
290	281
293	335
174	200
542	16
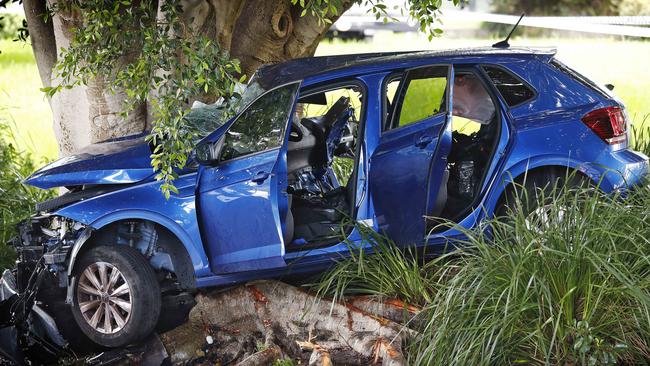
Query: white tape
602	25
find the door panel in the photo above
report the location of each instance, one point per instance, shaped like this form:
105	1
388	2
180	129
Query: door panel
407	167
240	217
239	197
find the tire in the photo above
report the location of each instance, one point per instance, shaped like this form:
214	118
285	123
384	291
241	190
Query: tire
133	309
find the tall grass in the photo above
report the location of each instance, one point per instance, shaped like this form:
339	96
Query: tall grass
641	135
394	273
576	291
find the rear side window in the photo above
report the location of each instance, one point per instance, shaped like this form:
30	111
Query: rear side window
513	90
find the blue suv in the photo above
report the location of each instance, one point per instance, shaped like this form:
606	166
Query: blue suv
317	148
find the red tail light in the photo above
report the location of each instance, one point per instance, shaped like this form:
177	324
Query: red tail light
608	123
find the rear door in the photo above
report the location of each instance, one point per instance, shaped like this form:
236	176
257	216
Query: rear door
409	165
240	199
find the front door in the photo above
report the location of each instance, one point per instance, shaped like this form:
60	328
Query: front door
239	197
409	164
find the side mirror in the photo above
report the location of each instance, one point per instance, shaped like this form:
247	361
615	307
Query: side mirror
207	152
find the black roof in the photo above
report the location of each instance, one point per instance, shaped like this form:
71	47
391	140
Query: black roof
272	75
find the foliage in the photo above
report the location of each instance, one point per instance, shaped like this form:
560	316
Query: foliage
16	199
342	168
572	290
640	135
176	62
11	26
283	362
634	7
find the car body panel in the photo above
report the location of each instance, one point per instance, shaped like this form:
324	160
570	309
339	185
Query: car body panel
410	159
119	161
146	201
230	196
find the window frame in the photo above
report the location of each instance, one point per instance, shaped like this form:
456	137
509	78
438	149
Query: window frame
282	134
513	74
389	123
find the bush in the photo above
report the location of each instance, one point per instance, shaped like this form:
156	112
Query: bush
16	199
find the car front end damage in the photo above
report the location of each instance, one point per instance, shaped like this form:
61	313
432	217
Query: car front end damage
43	247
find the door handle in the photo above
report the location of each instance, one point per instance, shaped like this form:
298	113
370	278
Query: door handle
260	177
423	141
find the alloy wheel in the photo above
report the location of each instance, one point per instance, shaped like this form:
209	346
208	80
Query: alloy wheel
105	299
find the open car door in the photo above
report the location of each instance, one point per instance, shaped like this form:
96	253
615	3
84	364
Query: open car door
408	169
240	197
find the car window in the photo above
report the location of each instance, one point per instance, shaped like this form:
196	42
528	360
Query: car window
260	127
203	118
422	95
511	88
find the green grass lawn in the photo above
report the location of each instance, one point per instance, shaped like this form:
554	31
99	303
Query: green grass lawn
622	63
22	104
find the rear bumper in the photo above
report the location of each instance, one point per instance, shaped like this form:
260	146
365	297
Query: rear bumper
620	171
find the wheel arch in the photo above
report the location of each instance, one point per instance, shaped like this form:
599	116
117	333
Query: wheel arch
173	241
518	173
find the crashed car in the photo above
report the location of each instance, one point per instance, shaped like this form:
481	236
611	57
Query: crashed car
318	148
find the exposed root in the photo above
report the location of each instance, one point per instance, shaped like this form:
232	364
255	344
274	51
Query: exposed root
261	322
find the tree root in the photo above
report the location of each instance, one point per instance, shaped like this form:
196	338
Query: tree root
264	321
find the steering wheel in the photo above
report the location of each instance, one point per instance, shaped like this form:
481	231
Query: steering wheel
295	135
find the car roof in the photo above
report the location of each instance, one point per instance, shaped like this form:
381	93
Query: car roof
272	75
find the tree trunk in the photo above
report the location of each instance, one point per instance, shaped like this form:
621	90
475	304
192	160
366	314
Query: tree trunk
255	32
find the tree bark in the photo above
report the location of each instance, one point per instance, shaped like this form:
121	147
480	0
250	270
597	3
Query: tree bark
255	32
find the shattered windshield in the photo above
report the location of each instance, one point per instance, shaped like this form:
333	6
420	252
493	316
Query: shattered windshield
205	118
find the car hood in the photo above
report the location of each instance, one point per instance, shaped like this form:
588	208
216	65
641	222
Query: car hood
118	161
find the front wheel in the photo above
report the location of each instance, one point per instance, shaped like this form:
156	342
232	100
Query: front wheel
116	296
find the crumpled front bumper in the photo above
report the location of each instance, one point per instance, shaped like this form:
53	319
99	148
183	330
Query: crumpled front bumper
25	326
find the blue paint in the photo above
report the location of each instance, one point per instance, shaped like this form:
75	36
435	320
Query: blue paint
231	216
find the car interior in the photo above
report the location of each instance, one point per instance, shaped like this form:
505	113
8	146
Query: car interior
322	150
475	133
321	153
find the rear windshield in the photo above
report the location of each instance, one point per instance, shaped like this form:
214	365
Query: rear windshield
581	78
